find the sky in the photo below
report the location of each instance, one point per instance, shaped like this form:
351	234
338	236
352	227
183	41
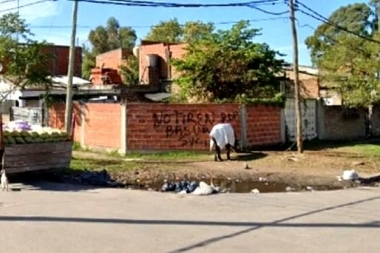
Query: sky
51	20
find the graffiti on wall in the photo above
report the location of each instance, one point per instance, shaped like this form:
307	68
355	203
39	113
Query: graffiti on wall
190	128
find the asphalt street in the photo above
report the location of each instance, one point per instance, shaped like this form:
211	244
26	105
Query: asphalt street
47	217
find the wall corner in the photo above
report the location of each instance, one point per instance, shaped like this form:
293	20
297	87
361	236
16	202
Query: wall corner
123	128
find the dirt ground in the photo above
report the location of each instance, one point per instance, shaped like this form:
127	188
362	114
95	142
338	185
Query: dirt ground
310	168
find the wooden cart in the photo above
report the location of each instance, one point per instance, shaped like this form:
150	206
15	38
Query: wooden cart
37	156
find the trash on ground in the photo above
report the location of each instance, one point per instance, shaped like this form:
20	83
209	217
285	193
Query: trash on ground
187	187
350	175
255	191
289	189
98	178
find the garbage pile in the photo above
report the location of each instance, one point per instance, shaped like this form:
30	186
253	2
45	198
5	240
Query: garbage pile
187	187
98	178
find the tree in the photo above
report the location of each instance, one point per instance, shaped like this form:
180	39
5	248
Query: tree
227	65
196	30
357	18
88	61
172	32
107	38
24	64
130	70
352	73
166	31
348	64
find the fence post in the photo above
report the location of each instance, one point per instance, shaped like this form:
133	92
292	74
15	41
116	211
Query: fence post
283	125
321	119
123	127
82	124
243	127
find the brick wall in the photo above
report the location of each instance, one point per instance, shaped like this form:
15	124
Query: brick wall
309	84
186	127
151	126
263	125
101	125
176	126
160	49
112	59
337	124
60	62
56	118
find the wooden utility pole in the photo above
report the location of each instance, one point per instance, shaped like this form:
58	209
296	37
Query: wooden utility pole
70	74
296	78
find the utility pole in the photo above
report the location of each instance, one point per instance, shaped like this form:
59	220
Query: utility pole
296	78
70	74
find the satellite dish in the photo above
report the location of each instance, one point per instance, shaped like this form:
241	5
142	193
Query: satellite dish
1	67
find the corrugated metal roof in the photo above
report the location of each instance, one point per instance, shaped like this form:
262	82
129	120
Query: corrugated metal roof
158	96
64	80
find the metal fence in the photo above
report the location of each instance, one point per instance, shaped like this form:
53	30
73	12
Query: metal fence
32	115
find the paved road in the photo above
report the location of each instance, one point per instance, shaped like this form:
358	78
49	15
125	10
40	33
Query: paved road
58	218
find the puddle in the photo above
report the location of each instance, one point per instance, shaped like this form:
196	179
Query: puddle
237	186
232	185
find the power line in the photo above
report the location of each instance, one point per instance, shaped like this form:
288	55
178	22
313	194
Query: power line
7	1
269	12
152	26
319	17
176	5
27	5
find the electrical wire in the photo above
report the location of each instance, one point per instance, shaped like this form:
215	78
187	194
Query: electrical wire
27	5
152	26
175	5
269	12
7	1
319	17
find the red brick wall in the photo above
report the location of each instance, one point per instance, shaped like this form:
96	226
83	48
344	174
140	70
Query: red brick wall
59	64
159	49
176	126
102	126
263	125
57	118
186	127
152	126
112	59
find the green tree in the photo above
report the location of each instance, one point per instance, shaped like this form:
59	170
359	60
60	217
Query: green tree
356	17
106	38
228	65
352	73
166	31
172	32
348	64
88	62
196	30
23	63
130	70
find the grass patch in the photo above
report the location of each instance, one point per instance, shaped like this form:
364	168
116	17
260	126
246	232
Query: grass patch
366	149
79	164
168	156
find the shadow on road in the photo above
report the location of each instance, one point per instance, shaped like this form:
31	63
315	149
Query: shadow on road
45	182
281	223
